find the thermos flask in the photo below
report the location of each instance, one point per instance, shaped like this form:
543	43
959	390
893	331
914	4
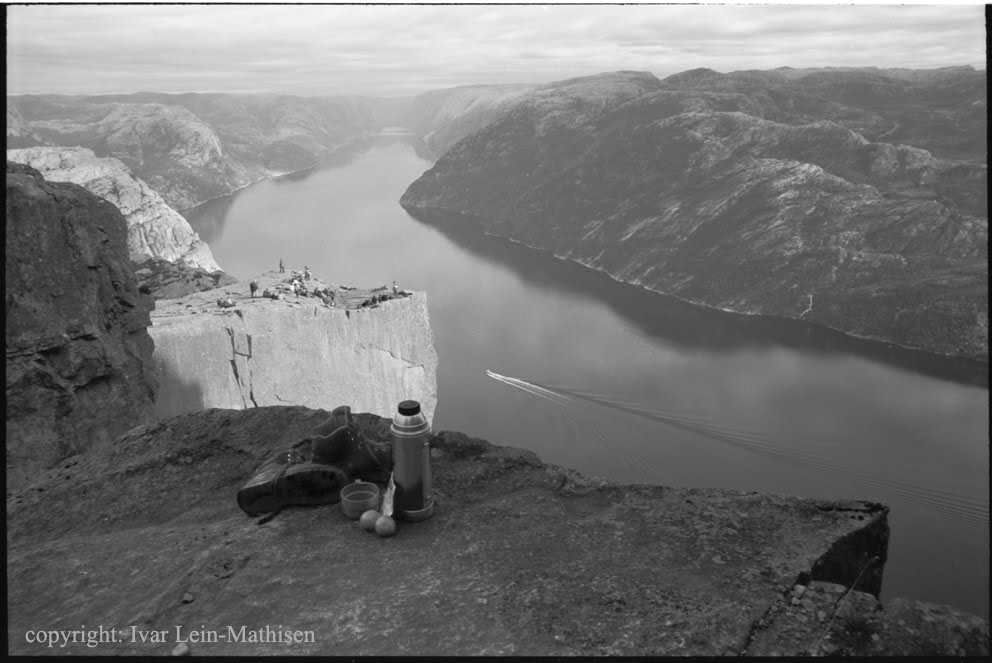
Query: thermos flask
413	499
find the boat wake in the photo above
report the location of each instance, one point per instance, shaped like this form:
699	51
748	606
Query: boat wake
968	510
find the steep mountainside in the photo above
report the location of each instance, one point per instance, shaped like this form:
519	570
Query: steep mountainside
192	147
78	349
153	228
443	117
727	190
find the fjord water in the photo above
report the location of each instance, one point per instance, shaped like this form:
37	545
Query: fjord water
628	385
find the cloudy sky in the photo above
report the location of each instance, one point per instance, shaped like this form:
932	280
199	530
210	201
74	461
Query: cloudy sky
400	50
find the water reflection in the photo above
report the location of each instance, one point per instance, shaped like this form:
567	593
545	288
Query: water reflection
686	324
208	218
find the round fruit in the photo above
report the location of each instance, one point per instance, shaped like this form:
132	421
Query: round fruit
367	521
385	526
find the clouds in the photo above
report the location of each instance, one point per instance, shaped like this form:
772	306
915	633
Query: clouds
398	50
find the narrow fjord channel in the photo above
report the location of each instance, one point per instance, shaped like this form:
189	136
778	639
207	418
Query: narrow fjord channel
624	384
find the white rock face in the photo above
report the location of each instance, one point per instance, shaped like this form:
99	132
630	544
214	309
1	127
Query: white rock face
154	228
294	352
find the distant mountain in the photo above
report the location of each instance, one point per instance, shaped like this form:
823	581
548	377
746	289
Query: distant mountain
443	117
153	228
748	192
19	134
942	74
941	110
192	147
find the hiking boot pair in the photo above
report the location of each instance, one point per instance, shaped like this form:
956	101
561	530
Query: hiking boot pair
338	453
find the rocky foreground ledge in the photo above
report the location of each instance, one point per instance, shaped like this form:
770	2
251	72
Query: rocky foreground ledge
144	536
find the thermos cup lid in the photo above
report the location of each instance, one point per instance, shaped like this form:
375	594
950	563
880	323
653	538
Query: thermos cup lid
409	408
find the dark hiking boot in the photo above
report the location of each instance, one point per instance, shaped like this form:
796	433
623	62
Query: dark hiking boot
287	479
328	442
338	441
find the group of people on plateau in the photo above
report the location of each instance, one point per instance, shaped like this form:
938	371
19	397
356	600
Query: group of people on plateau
297	286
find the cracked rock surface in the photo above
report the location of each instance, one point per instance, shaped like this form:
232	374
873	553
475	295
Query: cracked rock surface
827	619
520	557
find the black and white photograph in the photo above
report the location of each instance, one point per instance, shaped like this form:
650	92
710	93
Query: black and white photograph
490	330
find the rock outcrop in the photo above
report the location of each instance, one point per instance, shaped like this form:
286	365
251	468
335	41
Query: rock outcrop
520	558
297	351
167	280
154	228
78	350
723	190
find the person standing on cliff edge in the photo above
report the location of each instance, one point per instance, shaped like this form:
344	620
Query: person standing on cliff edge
282	268
253	286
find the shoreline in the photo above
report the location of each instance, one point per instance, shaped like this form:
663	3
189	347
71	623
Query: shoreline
873	339
275	176
245	186
978	363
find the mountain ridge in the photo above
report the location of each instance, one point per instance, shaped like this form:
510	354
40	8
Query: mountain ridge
682	191
193	147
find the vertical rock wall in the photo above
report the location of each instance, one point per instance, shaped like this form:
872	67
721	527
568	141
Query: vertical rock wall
78	350
268	352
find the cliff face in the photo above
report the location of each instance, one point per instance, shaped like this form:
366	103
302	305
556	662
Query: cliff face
298	351
154	228
78	349
685	187
193	147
